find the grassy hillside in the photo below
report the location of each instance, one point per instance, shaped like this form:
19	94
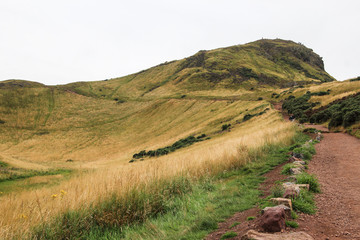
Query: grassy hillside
232	70
66	149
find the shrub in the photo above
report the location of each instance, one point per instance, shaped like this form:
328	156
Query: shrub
260	98
336	120
250	218
310	130
351	117
2	121
225	127
305	178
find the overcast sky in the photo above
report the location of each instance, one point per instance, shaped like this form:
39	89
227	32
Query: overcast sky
62	41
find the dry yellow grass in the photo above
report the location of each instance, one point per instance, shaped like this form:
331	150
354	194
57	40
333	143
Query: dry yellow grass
209	157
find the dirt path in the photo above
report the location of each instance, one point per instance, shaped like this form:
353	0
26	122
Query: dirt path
337	166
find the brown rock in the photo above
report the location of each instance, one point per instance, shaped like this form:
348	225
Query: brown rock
254	235
273	220
290	193
286	209
291	190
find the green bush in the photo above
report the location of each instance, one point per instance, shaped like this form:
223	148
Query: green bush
351	117
336	119
2	121
225	127
305	178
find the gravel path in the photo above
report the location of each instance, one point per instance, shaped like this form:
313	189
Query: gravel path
337	166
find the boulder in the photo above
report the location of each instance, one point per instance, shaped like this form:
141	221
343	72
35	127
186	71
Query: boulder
296	171
254	235
273	220
282	201
287	210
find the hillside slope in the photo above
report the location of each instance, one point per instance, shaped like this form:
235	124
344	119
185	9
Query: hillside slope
236	70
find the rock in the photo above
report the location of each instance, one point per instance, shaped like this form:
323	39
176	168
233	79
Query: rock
291	190
287	210
296	171
254	235
273	220
298	165
303	186
299	162
282	201
318	137
294	159
291	193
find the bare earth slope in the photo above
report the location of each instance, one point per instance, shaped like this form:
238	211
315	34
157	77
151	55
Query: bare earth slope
337	165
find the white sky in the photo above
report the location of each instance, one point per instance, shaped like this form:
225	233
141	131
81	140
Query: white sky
61	41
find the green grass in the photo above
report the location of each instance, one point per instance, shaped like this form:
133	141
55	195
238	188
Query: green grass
235	224
228	235
292	224
250	218
20	180
304	202
182	209
286	169
305	178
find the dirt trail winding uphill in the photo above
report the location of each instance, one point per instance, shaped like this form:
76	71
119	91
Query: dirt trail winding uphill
337	166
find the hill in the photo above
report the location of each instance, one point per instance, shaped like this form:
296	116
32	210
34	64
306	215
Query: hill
237	69
205	114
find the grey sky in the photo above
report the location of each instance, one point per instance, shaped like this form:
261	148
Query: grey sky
56	42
